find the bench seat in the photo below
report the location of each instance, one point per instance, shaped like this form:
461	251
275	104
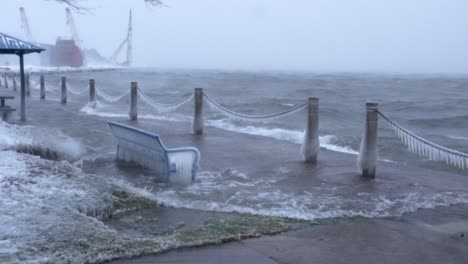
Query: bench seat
177	165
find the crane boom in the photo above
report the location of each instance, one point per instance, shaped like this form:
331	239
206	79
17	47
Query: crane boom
25	25
114	56
129	40
71	24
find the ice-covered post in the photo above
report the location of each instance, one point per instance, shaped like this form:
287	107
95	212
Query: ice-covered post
134	101
198	113
368	153
42	87
28	85
92	93
311	145
64	90
15	86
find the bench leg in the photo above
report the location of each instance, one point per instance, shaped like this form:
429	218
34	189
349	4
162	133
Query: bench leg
5	116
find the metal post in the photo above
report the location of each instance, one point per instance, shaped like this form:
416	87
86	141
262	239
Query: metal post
311	145
14	83
23	88
368	155
134	101
28	85
42	87
198	113
6	81
92	93
64	90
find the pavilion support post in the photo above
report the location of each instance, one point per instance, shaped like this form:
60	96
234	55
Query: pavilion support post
23	88
198	112
15	86
43	93
368	154
133	114
28	84
64	90
311	145
92	93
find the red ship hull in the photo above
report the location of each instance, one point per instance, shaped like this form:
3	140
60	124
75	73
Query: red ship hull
66	53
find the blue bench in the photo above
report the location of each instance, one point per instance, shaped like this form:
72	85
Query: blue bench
178	165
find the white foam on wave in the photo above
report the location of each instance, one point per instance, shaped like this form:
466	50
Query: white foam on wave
458	137
13	135
279	133
293	136
231	191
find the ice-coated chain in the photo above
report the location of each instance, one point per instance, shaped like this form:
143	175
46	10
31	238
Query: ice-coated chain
425	148
76	92
109	98
163	107
214	105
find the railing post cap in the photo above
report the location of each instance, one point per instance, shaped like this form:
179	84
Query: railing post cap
198	89
91	80
372	104
313	99
134	84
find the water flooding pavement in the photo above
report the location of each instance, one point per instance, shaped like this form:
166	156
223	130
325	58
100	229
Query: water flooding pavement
333	188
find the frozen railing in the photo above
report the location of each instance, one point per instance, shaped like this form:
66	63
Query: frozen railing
162	108
368	154
426	148
309	147
218	107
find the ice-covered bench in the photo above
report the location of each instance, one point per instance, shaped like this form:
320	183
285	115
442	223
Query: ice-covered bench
178	165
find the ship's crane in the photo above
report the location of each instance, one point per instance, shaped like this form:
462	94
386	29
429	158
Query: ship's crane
127	41
71	24
25	25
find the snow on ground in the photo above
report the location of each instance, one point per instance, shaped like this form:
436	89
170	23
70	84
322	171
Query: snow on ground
50	211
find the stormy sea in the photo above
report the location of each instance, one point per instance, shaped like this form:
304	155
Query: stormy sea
64	198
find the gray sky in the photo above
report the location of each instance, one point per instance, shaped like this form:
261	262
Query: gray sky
305	35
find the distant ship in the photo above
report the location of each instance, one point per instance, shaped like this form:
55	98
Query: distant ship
68	52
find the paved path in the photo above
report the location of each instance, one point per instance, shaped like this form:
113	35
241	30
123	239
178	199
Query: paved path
427	236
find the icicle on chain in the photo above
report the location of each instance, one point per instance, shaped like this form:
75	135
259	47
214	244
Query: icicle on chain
425	148
182	102
76	92
162	107
213	104
110	98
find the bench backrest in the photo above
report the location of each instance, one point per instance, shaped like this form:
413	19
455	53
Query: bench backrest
142	147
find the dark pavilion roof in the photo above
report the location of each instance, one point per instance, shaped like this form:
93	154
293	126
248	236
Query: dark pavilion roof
11	45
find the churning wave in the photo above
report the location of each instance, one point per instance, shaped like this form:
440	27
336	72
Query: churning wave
293	136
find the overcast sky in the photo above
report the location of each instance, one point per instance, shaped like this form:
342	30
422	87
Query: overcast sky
305	35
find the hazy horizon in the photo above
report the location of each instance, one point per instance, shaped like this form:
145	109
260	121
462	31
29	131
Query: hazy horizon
267	35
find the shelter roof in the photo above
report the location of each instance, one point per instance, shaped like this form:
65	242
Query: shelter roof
12	45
